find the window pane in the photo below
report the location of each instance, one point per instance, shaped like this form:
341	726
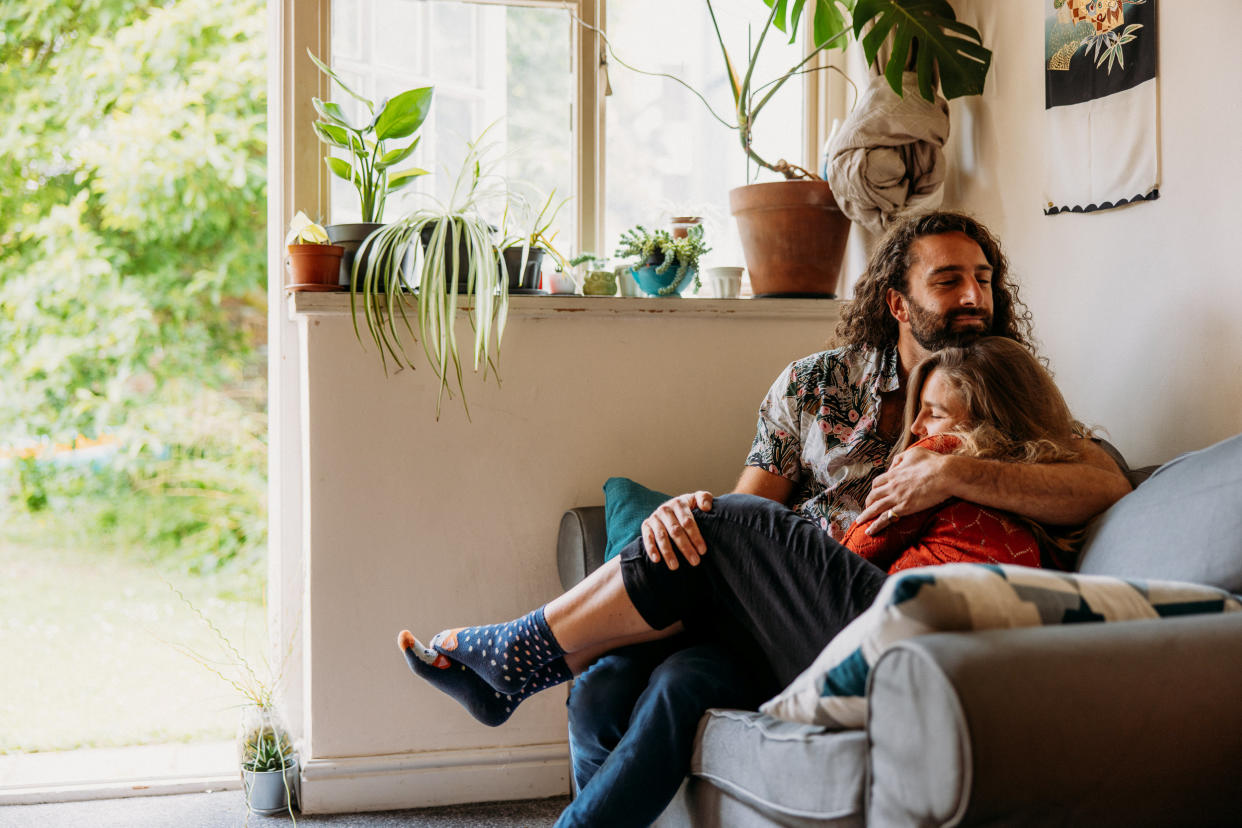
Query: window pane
666	155
508	65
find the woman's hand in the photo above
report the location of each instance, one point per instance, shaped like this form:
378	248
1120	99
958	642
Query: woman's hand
671	529
916	480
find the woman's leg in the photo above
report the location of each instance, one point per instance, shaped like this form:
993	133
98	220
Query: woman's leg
489	670
773	586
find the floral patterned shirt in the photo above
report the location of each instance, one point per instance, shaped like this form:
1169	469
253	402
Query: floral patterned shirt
819	427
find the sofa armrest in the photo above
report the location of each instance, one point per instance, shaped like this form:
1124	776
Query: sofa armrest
1124	723
580	544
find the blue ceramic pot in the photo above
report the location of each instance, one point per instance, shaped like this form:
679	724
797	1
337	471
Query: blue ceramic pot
662	284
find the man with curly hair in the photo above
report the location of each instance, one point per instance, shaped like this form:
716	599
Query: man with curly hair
826	429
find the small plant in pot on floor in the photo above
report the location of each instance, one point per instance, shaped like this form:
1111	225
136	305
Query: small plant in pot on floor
663	265
266	755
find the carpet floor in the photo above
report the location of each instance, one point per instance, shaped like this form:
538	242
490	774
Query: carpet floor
227	809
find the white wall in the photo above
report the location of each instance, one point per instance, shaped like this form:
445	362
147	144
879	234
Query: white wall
1139	309
423	524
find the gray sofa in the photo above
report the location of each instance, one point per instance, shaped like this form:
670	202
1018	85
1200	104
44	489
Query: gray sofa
1128	723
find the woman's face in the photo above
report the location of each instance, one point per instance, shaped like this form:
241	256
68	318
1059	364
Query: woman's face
941	407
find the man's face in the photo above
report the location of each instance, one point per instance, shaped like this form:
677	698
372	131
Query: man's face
949	291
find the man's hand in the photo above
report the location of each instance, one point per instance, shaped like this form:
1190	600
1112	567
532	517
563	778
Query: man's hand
914	482
671	526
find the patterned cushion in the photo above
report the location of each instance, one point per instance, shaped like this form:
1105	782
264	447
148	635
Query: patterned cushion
957	597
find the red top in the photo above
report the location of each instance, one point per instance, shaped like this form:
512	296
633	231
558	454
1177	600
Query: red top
955	531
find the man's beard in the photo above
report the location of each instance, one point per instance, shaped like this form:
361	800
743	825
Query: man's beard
934	332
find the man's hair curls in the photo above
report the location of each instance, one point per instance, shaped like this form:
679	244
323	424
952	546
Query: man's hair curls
866	320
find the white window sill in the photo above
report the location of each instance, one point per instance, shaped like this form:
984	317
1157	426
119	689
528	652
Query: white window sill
337	304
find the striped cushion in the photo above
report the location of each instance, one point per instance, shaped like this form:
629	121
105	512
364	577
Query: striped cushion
958	597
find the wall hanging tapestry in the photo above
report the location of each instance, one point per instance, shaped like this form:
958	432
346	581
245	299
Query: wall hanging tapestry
1100	104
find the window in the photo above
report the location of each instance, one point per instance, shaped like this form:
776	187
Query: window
666	155
663	154
504	67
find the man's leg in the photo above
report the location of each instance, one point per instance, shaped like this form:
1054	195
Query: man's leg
641	775
602	699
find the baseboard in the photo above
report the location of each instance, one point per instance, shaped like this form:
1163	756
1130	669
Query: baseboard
441	777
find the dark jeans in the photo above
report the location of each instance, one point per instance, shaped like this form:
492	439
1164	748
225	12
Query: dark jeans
771	591
633	716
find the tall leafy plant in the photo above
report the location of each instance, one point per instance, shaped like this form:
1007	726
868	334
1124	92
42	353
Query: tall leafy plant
925	33
370	167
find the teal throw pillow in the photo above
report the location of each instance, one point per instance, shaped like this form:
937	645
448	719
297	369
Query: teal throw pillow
626	505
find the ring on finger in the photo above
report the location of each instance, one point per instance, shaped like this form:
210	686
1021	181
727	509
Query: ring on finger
892	515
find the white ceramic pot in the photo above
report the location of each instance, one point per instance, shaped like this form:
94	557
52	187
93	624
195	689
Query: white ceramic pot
556	281
625	281
723	282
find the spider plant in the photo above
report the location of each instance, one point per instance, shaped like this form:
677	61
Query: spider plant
532	231
460	254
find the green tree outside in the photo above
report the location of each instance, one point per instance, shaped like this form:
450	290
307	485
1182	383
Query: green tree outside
132	272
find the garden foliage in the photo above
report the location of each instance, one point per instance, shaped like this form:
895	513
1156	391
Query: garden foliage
132	269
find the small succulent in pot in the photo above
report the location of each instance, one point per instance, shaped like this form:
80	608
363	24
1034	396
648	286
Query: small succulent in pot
659	251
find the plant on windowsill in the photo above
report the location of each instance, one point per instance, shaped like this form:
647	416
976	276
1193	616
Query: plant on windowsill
314	263
662	264
457	255
923	33
523	248
370	163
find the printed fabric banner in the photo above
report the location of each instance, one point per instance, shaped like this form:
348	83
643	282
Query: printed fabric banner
1100	104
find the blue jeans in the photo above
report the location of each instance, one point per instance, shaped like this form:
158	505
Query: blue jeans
633	716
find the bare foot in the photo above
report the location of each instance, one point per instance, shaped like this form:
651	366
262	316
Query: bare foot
406	640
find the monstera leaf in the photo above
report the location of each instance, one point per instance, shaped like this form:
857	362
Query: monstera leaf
930	28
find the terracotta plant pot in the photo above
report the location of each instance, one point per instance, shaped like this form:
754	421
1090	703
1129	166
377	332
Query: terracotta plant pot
314	266
793	236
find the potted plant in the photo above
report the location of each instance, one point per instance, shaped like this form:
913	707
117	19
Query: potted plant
314	263
456	247
371	164
663	265
924	32
267	758
269	765
523	251
597	279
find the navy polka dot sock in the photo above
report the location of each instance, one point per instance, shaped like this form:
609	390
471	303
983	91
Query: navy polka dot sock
489	706
506	656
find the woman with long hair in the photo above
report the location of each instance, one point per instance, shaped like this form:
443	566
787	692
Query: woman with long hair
991	399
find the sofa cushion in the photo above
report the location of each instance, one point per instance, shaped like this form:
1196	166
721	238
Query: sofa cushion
1183	523
626	505
957	597
792	773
